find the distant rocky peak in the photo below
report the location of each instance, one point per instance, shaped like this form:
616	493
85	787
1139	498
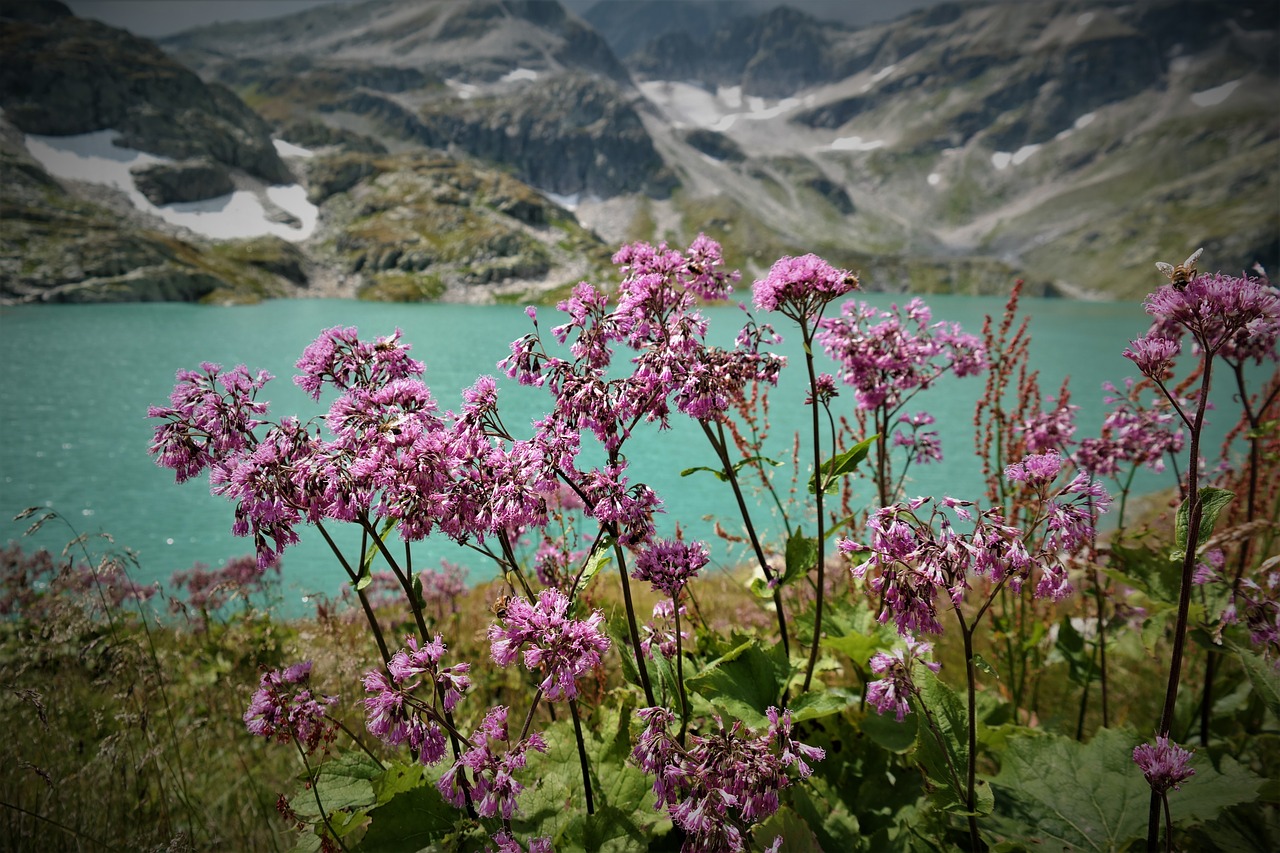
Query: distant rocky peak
473	41
61	75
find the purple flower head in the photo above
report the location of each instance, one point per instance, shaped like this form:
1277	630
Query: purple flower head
724	781
1166	765
210	419
1153	356
924	446
560	647
1236	318
1051	430
1035	470
660	631
1132	434
798	286
887	357
893	691
284	708
669	564
339	358
494	787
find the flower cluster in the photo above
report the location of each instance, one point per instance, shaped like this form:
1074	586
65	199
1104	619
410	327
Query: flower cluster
1131	434
723	781
669	564
660	632
395	716
209	590
798	287
1052	429
211	415
560	647
1165	764
493	786
284	708
339	358
893	690
923	446
887	356
913	561
1237	319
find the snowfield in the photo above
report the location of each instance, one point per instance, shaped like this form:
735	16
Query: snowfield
93	158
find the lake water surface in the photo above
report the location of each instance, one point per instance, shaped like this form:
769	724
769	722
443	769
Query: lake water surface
76	381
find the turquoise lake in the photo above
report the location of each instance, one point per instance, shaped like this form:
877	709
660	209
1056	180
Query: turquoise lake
77	380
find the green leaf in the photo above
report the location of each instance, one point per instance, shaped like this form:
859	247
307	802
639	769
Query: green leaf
719	474
794	830
840	465
942	751
1071	645
1091	796
1211	503
802	555
742	463
410	820
599	558
1263	677
985	665
343	782
819	703
609	830
744	682
364	580
888	733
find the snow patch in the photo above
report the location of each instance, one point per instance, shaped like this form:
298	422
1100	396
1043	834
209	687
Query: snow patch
1023	153
1083	20
519	74
730	96
288	149
568	202
878	76
464	91
686	104
1214	96
855	143
92	157
1003	159
1084	121
777	109
934	179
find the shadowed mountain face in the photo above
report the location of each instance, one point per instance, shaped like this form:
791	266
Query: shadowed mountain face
62	75
1068	142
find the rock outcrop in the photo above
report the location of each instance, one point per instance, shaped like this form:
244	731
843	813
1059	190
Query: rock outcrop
63	75
182	180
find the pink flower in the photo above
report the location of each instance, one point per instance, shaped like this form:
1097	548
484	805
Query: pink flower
553	644
797	286
1166	765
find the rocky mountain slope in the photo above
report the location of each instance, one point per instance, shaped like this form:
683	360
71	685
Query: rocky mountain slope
127	177
491	148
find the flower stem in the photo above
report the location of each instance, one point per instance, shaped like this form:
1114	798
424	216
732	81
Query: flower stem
719	445
820	491
582	756
1194	515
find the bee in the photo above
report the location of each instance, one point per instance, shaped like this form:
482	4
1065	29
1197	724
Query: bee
1182	273
499	607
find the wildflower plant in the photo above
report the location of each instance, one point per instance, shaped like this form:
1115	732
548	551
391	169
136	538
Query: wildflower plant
566	723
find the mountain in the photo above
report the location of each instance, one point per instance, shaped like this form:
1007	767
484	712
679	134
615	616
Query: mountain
1077	141
491	149
128	177
62	75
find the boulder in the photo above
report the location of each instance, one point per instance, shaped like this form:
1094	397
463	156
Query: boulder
183	180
